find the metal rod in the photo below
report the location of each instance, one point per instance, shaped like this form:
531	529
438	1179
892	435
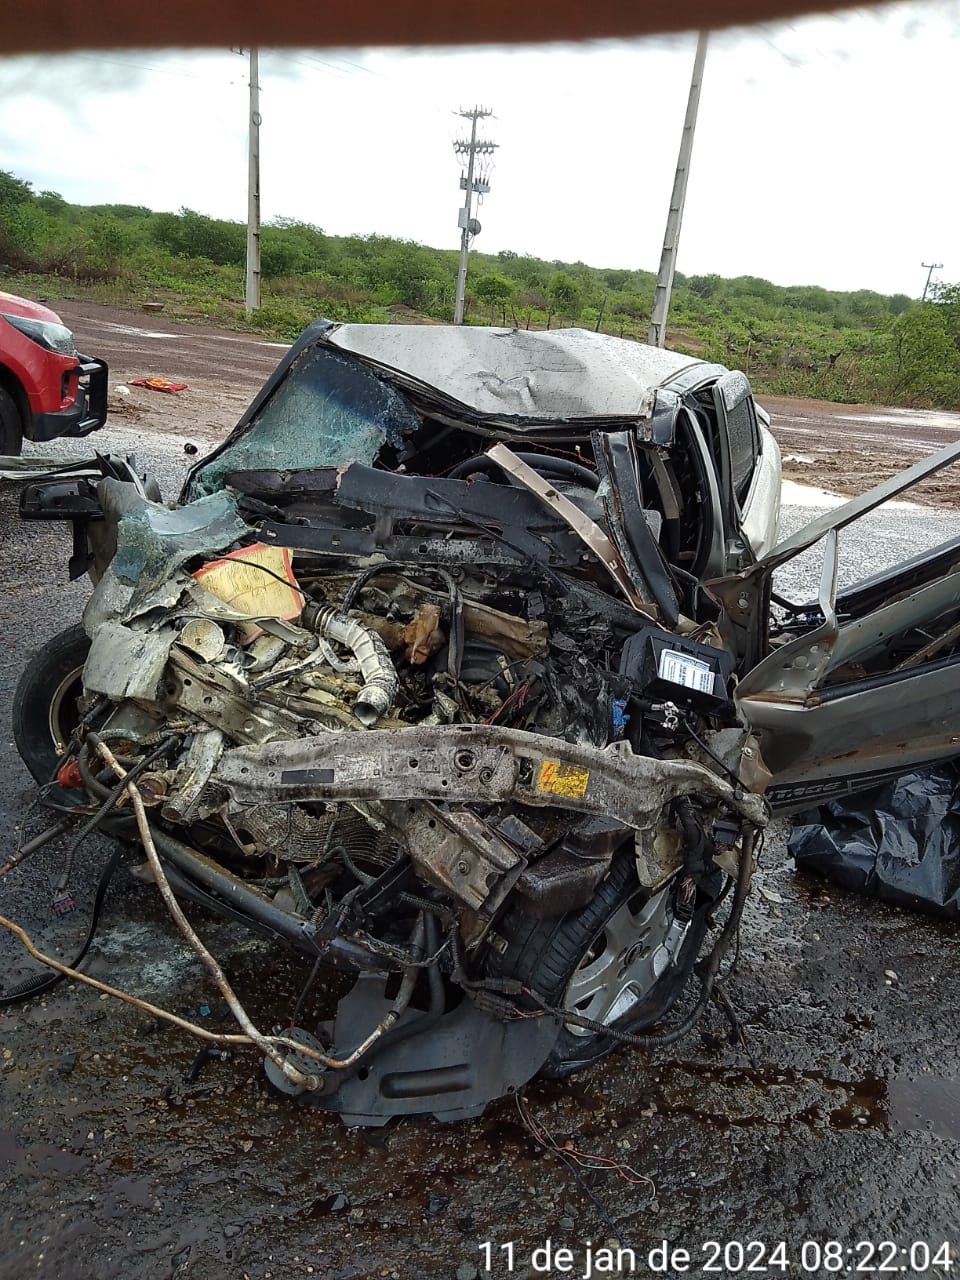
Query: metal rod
211	965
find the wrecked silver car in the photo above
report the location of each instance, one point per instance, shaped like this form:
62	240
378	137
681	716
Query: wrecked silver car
455	668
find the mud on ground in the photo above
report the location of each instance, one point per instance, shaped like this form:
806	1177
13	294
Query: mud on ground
847	449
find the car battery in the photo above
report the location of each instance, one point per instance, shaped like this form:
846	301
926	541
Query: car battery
670	668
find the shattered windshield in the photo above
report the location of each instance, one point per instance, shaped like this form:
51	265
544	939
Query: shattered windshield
329	410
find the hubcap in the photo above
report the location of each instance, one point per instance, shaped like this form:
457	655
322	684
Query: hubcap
624	961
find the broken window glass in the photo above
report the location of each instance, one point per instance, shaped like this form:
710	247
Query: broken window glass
328	411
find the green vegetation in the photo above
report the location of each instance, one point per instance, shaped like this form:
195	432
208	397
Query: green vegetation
802	340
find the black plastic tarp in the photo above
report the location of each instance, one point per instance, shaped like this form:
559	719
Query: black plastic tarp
899	842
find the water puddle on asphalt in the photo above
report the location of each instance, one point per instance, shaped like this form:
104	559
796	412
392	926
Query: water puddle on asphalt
742	1098
929	1103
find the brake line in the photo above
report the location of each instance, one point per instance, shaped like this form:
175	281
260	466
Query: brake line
111	800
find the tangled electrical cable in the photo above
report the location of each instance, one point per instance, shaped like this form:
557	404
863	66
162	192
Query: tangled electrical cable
584	1159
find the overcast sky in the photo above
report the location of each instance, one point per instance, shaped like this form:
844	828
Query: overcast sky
826	149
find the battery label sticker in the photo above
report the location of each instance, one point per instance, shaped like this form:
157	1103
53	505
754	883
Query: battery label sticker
558	779
680	668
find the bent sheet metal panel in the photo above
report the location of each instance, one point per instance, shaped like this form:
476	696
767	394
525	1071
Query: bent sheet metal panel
906	720
813	736
744	623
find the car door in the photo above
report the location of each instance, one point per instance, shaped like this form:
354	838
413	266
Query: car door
857	685
749	465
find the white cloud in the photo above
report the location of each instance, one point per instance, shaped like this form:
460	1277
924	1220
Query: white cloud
824	150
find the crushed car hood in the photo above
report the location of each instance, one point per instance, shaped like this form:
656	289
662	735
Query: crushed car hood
562	375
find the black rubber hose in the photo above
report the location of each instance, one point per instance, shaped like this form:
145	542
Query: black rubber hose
92	783
434	978
354	870
46	982
456	641
563	467
361	580
111	799
74	742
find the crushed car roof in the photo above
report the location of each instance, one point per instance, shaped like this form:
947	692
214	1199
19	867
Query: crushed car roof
558	375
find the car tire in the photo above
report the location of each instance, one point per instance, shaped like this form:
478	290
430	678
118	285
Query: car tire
11	428
45	702
560	958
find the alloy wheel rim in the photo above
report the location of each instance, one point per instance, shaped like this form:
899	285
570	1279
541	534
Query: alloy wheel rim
623	962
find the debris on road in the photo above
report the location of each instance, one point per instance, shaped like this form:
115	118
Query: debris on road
159	384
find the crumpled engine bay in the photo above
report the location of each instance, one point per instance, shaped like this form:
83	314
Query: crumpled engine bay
467	737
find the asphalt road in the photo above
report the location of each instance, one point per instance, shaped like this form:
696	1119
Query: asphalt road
840	1121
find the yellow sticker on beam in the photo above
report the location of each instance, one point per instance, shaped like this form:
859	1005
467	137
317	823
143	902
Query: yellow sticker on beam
567	780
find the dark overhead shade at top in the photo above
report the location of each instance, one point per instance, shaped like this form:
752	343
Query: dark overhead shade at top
57	26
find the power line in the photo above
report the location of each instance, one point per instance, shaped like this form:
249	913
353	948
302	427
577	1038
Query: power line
142	66
475	180
314	65
932	267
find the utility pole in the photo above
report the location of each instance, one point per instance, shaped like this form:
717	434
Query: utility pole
932	267
603	307
671	239
472	182
252	301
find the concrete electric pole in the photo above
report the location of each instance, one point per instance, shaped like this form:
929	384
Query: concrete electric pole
932	267
252	300
671	239
474	181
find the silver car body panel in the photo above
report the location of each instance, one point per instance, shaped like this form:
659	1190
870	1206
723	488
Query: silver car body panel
823	722
555	376
760	512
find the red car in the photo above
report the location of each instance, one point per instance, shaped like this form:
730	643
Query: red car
47	388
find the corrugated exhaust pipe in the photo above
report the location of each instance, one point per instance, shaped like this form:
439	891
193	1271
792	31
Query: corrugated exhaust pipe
376	666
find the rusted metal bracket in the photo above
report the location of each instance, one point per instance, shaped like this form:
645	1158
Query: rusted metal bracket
458	852
473	763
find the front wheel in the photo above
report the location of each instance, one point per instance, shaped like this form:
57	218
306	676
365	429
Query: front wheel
622	961
45	704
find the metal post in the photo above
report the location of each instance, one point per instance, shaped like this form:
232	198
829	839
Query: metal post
933	266
671	239
465	231
252	301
